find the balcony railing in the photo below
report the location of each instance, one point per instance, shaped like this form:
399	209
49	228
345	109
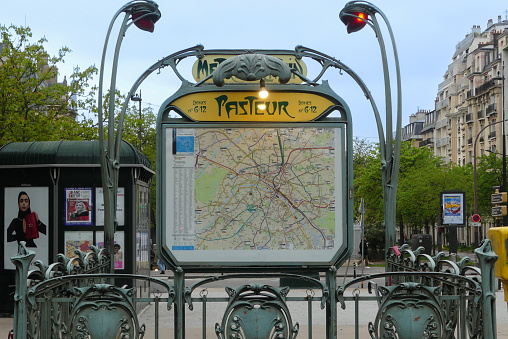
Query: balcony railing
426	142
485	86
469	117
492	134
469	140
442	104
491	109
480	115
442	142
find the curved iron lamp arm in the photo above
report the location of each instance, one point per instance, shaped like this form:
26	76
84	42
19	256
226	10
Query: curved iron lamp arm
390	169
147	11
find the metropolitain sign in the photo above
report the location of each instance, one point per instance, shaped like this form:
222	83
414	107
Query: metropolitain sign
206	65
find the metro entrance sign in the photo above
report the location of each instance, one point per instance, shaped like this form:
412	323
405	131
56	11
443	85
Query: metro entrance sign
247	181
247	106
207	64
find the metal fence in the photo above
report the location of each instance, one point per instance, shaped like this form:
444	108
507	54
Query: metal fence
427	297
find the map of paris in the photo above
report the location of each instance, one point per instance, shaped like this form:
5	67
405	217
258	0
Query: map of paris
254	188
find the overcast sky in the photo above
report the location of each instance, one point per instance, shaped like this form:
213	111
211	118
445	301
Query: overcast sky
426	34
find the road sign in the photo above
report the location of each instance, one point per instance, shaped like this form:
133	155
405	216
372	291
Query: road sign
498	198
499	211
475	224
476	218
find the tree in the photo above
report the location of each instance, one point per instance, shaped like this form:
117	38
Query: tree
364	152
144	126
33	106
422	177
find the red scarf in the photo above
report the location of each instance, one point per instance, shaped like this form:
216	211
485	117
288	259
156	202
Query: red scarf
31	226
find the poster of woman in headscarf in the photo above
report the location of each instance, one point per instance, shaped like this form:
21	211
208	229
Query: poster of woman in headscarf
78	206
26	219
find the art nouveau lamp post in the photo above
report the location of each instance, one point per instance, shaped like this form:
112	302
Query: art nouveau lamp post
355	15
143	14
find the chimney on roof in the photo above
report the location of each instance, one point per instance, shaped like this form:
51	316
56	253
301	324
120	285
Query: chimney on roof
499	19
476	30
490	23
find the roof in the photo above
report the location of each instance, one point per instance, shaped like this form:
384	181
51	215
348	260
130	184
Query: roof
65	152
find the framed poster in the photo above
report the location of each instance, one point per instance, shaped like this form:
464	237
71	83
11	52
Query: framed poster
77	240
453	207
26	219
99	206
118	248
78	206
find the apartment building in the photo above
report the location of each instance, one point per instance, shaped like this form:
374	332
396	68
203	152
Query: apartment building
413	131
468	107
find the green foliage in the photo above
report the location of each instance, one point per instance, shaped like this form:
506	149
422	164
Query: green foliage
33	106
367	181
422	177
139	129
362	151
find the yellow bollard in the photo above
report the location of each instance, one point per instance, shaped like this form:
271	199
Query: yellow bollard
499	239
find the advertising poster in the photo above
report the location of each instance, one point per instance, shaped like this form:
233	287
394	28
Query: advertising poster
453	208
78	206
99	206
118	249
77	241
26	219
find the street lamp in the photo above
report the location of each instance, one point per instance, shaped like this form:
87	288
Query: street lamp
143	14
355	15
503	132
138	99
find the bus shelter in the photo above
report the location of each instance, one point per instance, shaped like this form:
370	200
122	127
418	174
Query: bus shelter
61	181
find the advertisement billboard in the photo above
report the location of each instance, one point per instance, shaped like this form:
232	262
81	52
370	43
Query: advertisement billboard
26	219
453	207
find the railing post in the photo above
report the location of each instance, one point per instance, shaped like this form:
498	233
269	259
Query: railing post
331	304
487	259
22	262
179	278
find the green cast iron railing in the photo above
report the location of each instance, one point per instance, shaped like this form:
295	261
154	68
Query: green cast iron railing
429	298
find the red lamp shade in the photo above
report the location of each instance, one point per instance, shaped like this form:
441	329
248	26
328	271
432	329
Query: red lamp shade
146	23
355	22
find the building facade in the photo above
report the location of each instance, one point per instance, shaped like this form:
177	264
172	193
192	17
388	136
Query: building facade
468	108
413	131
